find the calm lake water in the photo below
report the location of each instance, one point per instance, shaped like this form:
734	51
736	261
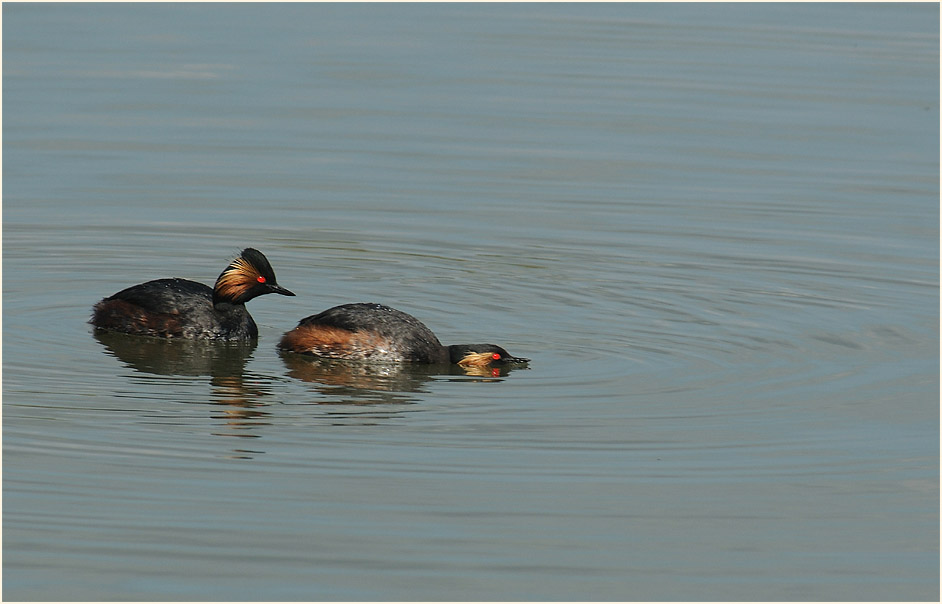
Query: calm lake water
714	229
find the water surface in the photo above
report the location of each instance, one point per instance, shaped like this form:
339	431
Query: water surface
714	229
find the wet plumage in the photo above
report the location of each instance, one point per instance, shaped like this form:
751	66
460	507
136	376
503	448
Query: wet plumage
374	332
179	308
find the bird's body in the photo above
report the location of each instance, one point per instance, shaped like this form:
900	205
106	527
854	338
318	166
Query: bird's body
179	308
374	332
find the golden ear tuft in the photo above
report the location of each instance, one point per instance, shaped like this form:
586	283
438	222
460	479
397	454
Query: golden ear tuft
238	277
477	359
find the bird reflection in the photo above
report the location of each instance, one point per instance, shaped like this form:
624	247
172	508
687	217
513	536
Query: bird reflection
224	362
177	357
348	393
377	382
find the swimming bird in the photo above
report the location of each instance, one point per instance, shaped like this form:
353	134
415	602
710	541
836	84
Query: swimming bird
179	308
374	332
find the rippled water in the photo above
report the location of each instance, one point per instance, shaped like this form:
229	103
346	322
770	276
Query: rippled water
714	229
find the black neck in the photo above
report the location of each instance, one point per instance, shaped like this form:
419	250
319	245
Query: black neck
457	352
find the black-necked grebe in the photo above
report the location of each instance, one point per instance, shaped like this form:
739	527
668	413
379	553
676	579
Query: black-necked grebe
373	332
178	308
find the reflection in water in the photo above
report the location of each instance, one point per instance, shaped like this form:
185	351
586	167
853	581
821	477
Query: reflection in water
347	392
239	402
177	357
362	393
223	362
375	382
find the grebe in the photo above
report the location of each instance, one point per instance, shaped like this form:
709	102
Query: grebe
373	332
178	308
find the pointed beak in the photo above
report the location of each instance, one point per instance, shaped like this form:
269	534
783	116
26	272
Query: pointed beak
277	289
517	360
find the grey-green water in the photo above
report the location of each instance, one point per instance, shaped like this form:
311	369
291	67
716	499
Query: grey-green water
714	229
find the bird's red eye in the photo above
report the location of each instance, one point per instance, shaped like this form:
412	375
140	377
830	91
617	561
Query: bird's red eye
496	356
261	279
